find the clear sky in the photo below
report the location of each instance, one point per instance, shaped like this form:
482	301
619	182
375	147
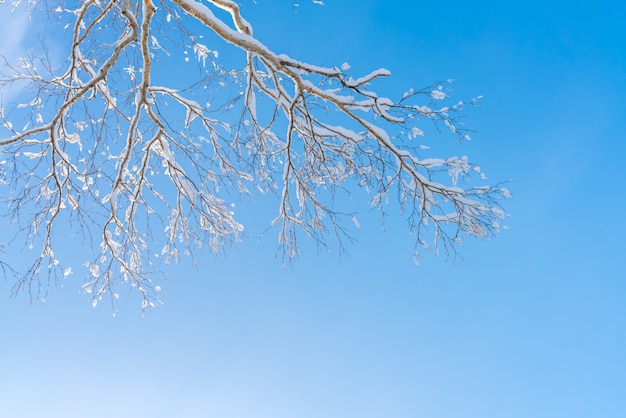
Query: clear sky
531	324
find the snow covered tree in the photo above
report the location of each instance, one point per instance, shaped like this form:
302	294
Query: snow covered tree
100	140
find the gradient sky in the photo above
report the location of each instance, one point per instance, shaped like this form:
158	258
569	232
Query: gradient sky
531	324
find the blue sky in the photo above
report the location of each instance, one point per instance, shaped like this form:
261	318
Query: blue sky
531	324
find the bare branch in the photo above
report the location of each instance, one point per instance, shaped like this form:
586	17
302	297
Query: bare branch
130	159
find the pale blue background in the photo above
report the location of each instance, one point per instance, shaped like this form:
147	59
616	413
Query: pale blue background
532	324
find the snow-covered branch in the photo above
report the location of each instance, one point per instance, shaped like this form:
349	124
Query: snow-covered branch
138	162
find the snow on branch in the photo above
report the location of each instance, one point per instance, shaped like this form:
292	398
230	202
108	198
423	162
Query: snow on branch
140	165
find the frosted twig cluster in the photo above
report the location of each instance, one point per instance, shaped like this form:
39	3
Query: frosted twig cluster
108	141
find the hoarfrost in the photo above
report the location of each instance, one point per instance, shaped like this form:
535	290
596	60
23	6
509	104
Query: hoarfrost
438	94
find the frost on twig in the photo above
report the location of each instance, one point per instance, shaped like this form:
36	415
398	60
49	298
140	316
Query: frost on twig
140	165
